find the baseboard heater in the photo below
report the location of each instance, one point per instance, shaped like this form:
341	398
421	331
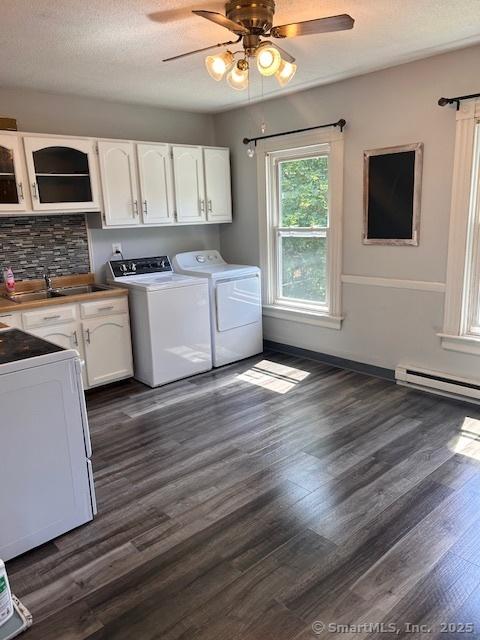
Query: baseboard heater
439	383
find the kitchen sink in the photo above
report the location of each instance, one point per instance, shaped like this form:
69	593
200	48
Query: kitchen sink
81	288
32	296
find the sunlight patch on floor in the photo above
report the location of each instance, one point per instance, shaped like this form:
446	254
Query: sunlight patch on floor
467	442
274	376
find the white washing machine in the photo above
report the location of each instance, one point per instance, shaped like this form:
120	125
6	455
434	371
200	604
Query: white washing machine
170	319
235	303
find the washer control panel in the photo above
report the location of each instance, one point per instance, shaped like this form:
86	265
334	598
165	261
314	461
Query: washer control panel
197	259
140	266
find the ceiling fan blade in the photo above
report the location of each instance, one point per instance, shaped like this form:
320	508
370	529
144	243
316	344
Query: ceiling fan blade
173	15
310	27
221	20
192	53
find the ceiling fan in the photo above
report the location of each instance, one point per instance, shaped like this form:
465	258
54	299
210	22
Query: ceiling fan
251	21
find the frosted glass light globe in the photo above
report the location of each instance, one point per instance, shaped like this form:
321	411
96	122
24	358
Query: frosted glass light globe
268	59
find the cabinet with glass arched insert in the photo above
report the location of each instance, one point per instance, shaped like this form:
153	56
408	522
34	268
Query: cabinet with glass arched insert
12	179
62	173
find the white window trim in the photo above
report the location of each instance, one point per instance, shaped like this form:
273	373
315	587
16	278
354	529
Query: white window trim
330	317
456	334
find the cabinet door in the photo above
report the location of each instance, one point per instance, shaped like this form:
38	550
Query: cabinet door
156	185
63	174
189	184
68	336
119	182
12	180
218	185
108	349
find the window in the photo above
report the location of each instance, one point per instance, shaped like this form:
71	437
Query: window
300	222
462	302
300	209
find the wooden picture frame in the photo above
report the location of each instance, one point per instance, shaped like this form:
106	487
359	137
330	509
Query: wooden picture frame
392	192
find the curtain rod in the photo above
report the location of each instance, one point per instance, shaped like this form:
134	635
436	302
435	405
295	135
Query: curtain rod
340	123
442	102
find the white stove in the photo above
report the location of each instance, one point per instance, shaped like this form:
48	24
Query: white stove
170	319
47	479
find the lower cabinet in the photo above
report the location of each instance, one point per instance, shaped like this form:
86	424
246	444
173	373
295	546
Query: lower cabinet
108	350
98	330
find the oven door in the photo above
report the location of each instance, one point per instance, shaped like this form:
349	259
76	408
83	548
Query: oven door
238	302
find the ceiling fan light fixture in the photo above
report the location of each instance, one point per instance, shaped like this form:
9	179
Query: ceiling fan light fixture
268	59
285	73
237	77
219	65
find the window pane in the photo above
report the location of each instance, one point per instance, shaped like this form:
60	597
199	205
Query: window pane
8	190
64	188
304	268
303	192
60	160
6	161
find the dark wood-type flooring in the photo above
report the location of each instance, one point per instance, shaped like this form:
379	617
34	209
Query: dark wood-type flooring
249	502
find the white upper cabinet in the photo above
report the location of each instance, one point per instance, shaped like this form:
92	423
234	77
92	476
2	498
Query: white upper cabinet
156	183
62	174
119	182
189	184
12	178
142	183
217	184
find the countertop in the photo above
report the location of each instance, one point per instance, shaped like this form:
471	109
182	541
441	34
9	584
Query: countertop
19	345
7	306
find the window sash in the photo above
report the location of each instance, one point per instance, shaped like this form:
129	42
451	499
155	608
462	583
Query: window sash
279	298
471	323
279	232
287	157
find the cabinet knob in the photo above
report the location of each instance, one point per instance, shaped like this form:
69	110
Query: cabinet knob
87	336
145	207
202	206
210	208
34	191
20	191
75	338
135	208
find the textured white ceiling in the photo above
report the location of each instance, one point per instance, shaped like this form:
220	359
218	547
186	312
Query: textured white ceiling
111	49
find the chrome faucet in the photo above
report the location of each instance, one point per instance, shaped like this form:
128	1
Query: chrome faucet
48	279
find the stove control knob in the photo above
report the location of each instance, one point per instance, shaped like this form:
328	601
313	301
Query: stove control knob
200	259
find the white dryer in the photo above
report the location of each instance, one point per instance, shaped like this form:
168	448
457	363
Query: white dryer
170	319
235	303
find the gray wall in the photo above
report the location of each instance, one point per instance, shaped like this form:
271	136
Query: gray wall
383	326
62	114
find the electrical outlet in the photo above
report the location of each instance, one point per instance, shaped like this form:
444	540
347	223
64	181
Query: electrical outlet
116	247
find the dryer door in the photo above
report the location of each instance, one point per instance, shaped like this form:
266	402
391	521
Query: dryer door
238	302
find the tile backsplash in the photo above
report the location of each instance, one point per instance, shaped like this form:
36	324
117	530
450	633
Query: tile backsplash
29	244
